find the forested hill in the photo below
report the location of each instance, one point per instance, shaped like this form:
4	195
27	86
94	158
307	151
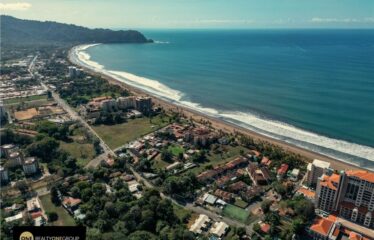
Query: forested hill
16	31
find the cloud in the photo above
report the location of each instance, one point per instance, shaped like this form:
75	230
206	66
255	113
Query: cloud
19	6
342	20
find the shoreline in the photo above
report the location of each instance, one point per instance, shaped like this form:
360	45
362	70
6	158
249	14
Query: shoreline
216	123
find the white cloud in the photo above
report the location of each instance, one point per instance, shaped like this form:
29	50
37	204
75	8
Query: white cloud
342	20
19	6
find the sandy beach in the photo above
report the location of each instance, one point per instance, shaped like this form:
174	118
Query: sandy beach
217	123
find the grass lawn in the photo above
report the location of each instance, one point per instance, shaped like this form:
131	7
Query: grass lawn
240	203
181	213
25	99
176	150
228	154
160	164
237	213
64	219
120	134
83	152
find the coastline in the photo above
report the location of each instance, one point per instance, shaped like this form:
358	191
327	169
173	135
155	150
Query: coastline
217	123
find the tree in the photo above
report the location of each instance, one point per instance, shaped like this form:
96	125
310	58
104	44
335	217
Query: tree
54	196
265	206
166	155
52	216
241	231
45	149
256	227
22	186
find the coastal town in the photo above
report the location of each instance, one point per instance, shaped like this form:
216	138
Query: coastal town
79	150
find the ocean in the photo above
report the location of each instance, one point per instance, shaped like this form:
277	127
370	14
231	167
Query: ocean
310	88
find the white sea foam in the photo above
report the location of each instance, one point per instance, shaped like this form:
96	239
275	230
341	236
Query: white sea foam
161	42
339	149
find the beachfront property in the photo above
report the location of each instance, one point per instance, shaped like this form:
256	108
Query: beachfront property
350	194
74	72
107	105
315	170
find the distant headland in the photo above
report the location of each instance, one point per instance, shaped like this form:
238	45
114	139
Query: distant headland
16	31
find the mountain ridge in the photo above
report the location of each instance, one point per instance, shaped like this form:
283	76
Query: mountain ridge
16	31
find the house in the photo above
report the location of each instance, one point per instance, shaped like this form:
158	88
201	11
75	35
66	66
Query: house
265	227
238	186
209	198
295	173
33	205
307	193
265	161
207	176
259	175
16	217
200	224
71	204
251	193
226	196
282	171
219	229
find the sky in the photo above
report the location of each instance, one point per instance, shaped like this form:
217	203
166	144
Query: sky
198	13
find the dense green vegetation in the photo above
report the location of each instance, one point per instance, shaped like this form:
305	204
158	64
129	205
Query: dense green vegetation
28	32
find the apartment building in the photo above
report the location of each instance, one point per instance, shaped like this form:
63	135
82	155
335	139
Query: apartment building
350	194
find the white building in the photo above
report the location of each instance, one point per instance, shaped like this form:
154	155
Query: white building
295	174
126	102
15	159
17	217
30	166
200	224
7	149
219	229
315	170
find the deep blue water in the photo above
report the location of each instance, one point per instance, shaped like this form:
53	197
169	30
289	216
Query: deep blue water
318	81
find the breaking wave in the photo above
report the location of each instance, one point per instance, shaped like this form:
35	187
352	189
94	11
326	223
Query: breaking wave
345	151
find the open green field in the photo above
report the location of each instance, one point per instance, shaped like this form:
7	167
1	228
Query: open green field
120	134
64	219
176	150
83	152
229	153
24	99
237	213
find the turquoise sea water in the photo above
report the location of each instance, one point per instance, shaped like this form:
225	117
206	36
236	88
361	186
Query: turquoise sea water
312	88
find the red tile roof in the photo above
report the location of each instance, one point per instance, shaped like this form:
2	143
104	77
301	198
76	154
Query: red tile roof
283	169
265	227
307	193
36	214
322	225
361	174
330	181
69	201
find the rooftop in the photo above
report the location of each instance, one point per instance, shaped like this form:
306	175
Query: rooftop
361	174
320	163
323	225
